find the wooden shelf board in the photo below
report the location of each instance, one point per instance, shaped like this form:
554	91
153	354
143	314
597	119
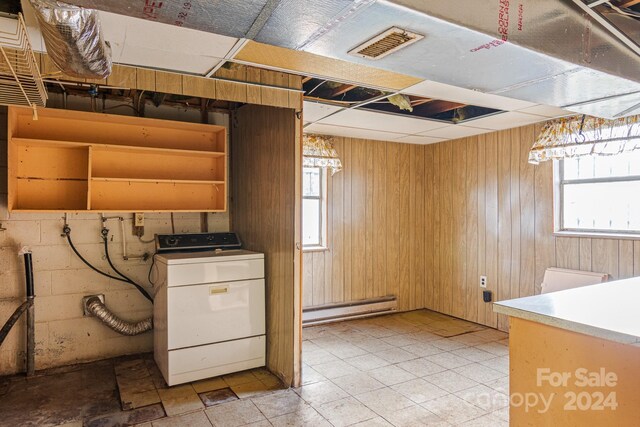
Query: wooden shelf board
116	147
18	210
174	181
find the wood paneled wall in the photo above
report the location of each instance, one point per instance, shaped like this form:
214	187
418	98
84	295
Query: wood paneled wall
266	163
376	233
425	222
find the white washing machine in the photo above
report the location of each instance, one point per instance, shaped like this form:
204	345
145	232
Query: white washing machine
209	314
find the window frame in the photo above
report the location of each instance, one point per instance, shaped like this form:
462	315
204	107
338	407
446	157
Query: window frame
324	244
558	206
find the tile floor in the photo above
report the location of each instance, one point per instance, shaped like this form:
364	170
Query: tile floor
408	369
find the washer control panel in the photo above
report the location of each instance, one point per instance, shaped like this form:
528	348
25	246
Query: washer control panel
196	241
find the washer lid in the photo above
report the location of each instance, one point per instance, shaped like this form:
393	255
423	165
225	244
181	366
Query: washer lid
207	256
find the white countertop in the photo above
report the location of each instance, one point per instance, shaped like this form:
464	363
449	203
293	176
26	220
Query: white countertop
608	310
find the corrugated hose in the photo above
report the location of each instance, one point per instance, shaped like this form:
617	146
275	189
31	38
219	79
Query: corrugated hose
123	327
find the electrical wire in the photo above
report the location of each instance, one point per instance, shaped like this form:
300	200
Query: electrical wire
146	241
153	263
113	267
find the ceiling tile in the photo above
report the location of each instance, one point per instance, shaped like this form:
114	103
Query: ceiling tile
447	92
506	120
314	111
382	122
325	129
455	131
418	139
546	111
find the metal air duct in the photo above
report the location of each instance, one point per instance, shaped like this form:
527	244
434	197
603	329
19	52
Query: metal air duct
544	51
73	38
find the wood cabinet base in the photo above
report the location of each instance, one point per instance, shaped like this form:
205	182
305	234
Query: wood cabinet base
563	378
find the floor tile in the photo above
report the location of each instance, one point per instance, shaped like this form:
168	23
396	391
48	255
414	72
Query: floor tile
422	349
479	373
358	383
367	362
318	357
484	397
390	375
319	393
180	399
452	409
488	420
346	350
448	360
421	367
474	354
400	340
310	375
194	419
304	416
494	348
233	414
336	369
254	389
374	422
395	355
239	378
447	344
450	381
218	397
345	412
384	401
210	384
374	345
281	403
500	364
415	416
123	418
419	390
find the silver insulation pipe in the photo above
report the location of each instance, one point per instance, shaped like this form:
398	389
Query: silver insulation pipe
99	310
74	40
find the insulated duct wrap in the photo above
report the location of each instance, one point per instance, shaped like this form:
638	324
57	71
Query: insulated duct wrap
74	39
99	310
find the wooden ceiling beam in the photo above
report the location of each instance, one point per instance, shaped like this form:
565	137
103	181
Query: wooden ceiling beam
415	101
437	107
628	3
342	89
306	79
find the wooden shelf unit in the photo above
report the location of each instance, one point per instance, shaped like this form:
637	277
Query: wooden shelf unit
71	161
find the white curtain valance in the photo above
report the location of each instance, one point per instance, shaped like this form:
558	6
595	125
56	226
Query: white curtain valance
318	151
583	135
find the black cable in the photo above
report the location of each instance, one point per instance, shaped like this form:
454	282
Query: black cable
87	262
67	232
113	267
153	263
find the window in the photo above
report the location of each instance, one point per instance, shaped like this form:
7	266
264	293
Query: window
600	194
314	207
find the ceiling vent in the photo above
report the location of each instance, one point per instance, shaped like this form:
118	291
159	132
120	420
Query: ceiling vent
386	43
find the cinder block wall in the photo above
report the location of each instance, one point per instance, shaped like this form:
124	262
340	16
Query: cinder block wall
63	335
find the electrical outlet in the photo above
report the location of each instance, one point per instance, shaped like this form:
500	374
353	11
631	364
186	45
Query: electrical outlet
483	281
138	219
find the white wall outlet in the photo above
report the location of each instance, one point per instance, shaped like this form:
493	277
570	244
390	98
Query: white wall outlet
483	281
138	219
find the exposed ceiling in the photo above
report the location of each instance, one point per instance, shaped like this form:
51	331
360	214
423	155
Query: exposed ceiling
516	70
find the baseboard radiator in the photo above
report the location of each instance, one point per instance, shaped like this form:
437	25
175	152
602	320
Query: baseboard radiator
349	310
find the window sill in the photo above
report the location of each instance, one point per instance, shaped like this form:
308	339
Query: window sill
597	235
315	249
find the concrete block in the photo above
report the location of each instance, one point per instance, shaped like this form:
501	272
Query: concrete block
55	257
20	233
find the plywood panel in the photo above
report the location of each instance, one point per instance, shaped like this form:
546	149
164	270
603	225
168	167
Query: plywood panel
429	233
318	273
504	221
336	239
379	260
122	76
625	259
199	86
472	289
605	257
265	176
459	229
358	215
527	216
404	228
